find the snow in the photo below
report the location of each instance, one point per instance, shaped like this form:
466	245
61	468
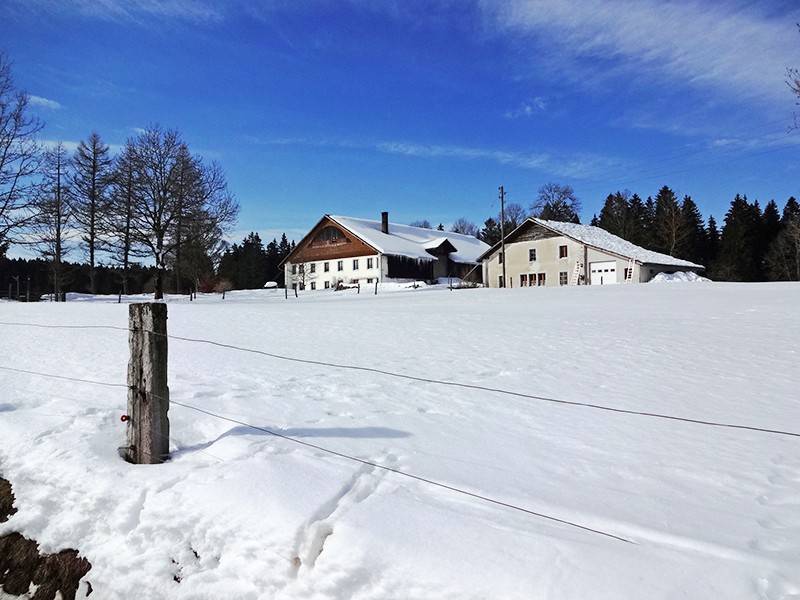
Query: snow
679	277
603	240
412	242
712	512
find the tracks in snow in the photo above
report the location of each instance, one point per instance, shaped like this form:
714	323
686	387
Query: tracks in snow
311	537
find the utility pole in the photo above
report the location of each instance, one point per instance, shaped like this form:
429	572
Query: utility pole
503	232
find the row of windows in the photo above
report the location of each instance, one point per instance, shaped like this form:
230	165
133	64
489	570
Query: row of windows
326	266
326	284
537	279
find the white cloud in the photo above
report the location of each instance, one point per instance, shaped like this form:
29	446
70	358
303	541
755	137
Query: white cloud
711	45
39	102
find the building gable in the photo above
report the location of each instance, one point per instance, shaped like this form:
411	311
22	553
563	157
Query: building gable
329	240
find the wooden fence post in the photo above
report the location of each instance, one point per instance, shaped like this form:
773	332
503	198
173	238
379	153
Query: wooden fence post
148	394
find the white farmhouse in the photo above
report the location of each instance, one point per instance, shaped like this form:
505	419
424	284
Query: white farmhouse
540	252
346	250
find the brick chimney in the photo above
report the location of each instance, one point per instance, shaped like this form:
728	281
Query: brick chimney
385	222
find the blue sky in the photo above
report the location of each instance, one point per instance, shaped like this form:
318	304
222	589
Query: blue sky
425	108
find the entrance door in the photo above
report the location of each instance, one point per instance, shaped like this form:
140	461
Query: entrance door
603	273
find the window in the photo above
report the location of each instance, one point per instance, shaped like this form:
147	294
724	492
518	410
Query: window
302	286
523	280
540	278
330	236
326	267
302	269
627	271
355	264
369	262
562	278
327	284
369	279
501	258
500	281
532	254
562	252
340	265
313	285
313	267
294	269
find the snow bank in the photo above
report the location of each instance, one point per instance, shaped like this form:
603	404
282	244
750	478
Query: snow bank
679	277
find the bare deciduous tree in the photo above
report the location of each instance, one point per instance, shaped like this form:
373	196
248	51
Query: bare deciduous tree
20	155
176	199
465	226
557	203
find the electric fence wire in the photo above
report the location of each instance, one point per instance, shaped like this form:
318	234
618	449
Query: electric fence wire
427	380
350	457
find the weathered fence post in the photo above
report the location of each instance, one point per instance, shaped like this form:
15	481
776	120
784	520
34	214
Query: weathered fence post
148	394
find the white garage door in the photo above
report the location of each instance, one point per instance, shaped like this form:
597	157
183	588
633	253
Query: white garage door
603	273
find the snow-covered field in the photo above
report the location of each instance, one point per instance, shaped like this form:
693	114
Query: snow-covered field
703	511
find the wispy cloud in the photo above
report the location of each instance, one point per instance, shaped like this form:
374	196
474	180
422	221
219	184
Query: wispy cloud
736	53
71	146
527	109
575	165
39	102
138	11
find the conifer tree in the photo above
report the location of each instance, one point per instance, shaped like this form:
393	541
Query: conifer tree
490	234
712	245
783	255
92	173
738	258
615	215
669	229
693	242
118	217
53	214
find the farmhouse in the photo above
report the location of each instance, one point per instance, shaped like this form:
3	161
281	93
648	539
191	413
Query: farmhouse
540	252
345	250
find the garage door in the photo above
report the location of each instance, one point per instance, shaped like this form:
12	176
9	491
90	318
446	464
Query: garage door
603	273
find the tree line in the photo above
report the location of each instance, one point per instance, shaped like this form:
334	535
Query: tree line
154	201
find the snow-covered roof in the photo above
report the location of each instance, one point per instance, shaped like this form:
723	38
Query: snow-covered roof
413	242
604	240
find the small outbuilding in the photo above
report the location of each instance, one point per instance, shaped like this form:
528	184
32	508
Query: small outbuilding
542	253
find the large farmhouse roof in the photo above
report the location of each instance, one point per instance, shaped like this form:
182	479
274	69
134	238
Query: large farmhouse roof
604	240
413	242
